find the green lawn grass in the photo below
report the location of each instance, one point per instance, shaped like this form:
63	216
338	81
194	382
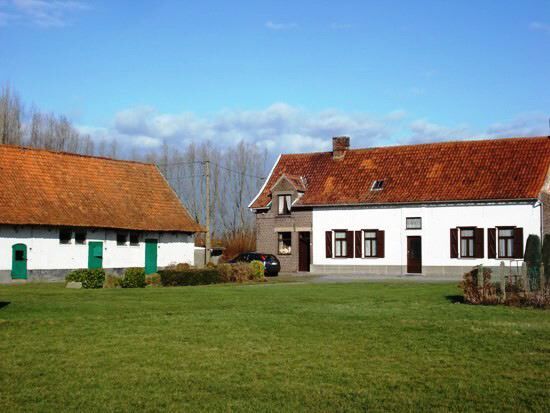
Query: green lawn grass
269	347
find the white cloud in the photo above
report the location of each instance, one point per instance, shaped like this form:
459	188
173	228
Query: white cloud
280	26
282	128
43	13
525	124
540	27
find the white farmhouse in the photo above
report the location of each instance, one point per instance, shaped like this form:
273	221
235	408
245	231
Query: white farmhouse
433	209
61	211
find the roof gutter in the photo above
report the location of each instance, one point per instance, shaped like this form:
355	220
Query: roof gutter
523	200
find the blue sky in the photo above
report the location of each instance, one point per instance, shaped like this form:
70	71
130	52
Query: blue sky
285	74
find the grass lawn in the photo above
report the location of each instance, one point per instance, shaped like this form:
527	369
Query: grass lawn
269	347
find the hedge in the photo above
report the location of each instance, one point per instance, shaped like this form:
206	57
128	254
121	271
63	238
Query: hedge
172	278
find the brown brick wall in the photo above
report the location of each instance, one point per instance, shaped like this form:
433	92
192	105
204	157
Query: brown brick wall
268	222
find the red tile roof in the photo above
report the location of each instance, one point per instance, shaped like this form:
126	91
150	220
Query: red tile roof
40	187
497	169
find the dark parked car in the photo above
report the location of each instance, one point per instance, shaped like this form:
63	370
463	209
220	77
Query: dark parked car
271	262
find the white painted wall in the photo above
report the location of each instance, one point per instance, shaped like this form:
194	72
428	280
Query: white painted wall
44	252
436	224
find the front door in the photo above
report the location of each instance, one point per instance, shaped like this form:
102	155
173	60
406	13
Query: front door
304	253
19	261
151	256
414	255
95	254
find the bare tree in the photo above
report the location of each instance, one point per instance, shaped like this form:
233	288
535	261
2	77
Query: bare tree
10	116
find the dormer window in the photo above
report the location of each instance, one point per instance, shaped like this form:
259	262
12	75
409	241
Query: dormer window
377	185
284	204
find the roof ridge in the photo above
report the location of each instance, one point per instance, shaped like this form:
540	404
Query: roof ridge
53	151
441	143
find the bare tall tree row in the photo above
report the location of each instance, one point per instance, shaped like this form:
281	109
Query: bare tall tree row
236	174
32	127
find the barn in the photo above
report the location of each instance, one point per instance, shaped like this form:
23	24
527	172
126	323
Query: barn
63	211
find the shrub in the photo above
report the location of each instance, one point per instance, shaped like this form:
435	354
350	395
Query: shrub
226	272
133	278
89	278
257	270
237	243
479	291
242	271
546	258
190	277
112	281
153	280
533	258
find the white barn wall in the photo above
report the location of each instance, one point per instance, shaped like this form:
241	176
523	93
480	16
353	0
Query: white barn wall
44	252
436	223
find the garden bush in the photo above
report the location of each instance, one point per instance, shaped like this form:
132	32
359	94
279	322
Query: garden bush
89	278
190	276
514	293
226	272
533	259
546	259
242	271
478	288
257	270
112	281
133	278
153	280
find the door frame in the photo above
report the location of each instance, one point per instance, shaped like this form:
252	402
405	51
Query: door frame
91	258
301	254
151	244
410	238
14	248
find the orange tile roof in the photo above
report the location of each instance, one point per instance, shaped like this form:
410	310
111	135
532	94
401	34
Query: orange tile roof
41	187
496	169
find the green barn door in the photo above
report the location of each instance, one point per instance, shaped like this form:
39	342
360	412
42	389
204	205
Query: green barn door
19	261
151	256
95	255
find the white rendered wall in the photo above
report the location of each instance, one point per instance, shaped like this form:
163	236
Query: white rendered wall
436	224
44	252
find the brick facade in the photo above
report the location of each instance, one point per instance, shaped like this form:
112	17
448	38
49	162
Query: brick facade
269	223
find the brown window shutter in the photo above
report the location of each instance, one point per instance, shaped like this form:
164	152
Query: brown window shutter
380	239
518	243
479	243
328	243
349	241
358	245
454	243
491	243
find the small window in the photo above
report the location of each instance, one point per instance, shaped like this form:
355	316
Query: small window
284	204
65	236
370	244
19	255
414	223
121	238
377	185
467	242
506	242
134	239
340	244
80	237
285	243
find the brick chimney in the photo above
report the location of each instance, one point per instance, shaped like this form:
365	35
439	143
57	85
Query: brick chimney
340	144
